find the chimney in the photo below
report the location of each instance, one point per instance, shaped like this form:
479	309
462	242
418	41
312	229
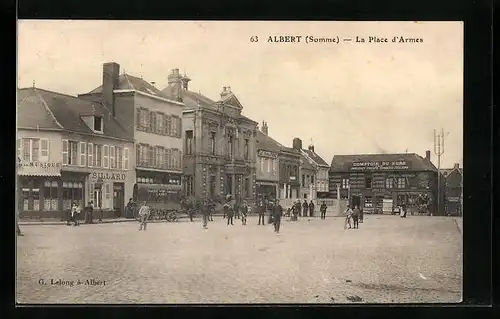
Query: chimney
226	90
110	82
311	148
456	166
185	81
175	81
428	155
297	143
265	129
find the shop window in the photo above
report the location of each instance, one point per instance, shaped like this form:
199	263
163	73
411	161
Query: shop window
107	195
36	194
312	179
389	183
368	183
401	182
368	202
345	183
72	192
50	196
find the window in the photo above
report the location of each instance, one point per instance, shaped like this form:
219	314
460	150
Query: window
175	125
368	182
401	182
152	122
175	159
33	149
50	195
150	156
119	157
44	150
212	186
72	192
125	158
26	149
189	142
246	150
246	187
112	157
168	125
90	154
189	185
262	164
230	146
275	164
212	143
345	183
303	180
70	152
389	182
98	123
157	162
312	179
368	202
83	154
97	155
143	119
269	165
107	191
160	127
105	156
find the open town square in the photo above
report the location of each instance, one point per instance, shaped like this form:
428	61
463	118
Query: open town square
387	260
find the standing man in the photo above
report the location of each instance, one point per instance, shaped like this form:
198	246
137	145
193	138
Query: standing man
244	212
403	213
355	217
205	212
228	209
144	215
211	209
304	208
262	212
322	209
129	208
311	208
361	215
277	212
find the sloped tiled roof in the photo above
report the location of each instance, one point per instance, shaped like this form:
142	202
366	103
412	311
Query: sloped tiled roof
264	142
130	82
32	111
343	163
190	98
448	171
67	110
304	163
315	157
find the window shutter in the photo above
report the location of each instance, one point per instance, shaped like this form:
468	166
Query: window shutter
179	127
83	154
168	126
44	150
112	154
165	128
105	160
65	152
90	153
138	118
125	158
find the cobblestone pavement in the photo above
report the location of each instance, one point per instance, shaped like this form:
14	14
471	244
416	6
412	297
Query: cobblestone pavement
388	259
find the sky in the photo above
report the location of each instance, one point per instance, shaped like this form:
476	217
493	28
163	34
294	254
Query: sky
343	97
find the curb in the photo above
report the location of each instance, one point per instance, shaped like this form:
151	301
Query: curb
459	228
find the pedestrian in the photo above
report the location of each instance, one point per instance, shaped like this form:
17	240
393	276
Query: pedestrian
228	208
355	217
211	206
129	209
348	213
73	214
403	210
361	215
305	207
144	212
88	213
311	208
262	212
205	212
244	213
18	230
322	209
277	212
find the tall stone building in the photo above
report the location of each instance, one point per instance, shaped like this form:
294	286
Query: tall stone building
219	142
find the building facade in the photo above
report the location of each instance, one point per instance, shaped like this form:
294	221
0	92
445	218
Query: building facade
154	123
289	161
380	182
267	177
219	143
86	151
453	198
307	175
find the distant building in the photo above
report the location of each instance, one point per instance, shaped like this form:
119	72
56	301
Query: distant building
380	182
289	159
267	178
70	150
307	174
153	121
453	190
219	142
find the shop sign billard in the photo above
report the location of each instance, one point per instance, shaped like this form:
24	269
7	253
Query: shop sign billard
109	176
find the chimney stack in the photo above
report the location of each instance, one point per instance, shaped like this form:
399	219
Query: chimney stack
456	166
311	148
226	90
175	81
297	143
428	155
110	82
265	129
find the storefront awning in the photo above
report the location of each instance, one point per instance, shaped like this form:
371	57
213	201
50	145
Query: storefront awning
38	169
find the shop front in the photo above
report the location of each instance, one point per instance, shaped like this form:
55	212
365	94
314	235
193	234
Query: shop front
110	190
161	190
39	189
266	190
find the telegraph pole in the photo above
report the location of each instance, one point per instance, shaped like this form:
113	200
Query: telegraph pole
439	150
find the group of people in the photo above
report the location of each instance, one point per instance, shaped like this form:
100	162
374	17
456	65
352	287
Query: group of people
356	214
76	210
295	211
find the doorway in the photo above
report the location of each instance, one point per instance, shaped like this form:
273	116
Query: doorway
355	201
118	200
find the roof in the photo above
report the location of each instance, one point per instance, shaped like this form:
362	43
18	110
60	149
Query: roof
130	82
315	157
343	163
447	171
67	111
264	142
33	112
304	163
190	98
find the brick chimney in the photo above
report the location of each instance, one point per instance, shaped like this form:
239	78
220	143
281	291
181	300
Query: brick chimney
110	82
264	128
311	148
175	82
297	143
456	166
428	155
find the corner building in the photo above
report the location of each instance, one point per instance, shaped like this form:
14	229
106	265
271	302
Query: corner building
219	143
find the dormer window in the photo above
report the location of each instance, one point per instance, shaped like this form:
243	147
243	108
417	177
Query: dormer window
98	124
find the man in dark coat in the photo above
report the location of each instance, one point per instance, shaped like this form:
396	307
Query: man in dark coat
311	208
262	212
244	213
322	209
277	213
355	217
305	207
228	208
205	212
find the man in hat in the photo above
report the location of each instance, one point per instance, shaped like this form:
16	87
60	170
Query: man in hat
277	213
305	207
311	208
262	212
144	212
322	209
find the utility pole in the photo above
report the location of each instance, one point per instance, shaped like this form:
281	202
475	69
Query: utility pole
439	150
